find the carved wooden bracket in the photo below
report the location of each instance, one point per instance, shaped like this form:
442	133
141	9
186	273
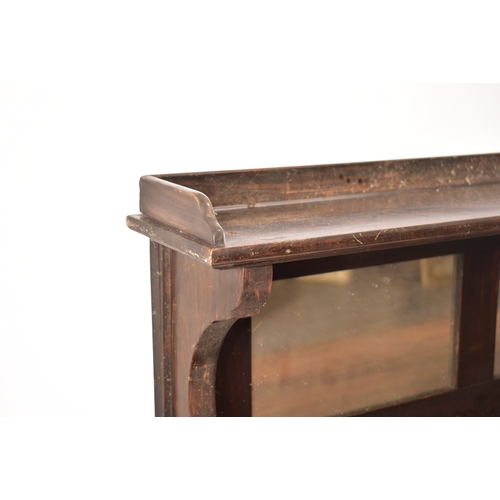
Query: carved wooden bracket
217	237
195	306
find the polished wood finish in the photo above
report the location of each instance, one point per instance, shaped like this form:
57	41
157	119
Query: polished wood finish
253	238
286	270
205	304
482	400
161	299
268	185
185	209
284	215
217	237
478	316
167	236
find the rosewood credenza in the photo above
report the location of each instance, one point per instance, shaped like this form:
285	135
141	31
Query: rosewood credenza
353	289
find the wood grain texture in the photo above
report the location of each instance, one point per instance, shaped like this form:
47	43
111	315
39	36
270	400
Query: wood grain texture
354	225
216	237
482	400
286	270
477	316
267	216
206	303
251	187
170	237
181	208
277	249
161	300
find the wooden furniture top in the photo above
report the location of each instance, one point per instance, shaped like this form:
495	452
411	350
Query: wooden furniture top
266	216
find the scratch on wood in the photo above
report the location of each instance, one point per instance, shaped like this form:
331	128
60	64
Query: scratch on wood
229	186
379	233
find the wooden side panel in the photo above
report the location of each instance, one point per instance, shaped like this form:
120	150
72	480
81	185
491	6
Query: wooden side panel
181	208
161	296
206	303
478	316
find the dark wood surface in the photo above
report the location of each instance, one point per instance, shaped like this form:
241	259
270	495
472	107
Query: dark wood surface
477	312
234	372
161	300
482	400
261	186
183	208
170	237
286	270
205	304
304	245
217	236
306	212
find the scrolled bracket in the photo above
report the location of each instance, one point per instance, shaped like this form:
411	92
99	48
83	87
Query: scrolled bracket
205	303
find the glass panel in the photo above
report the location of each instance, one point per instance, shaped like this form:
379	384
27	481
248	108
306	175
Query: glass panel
338	343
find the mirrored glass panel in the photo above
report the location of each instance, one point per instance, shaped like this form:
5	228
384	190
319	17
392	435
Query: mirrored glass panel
340	343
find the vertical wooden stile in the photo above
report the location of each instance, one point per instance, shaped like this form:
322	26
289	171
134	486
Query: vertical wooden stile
476	326
161	300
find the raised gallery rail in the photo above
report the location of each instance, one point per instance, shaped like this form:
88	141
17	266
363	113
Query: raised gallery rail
218	238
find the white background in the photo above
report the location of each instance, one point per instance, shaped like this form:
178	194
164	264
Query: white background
75	300
110	91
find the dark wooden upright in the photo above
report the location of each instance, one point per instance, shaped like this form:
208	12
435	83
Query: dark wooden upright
217	239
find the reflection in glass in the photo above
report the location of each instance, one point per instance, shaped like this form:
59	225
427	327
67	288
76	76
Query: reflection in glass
338	343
